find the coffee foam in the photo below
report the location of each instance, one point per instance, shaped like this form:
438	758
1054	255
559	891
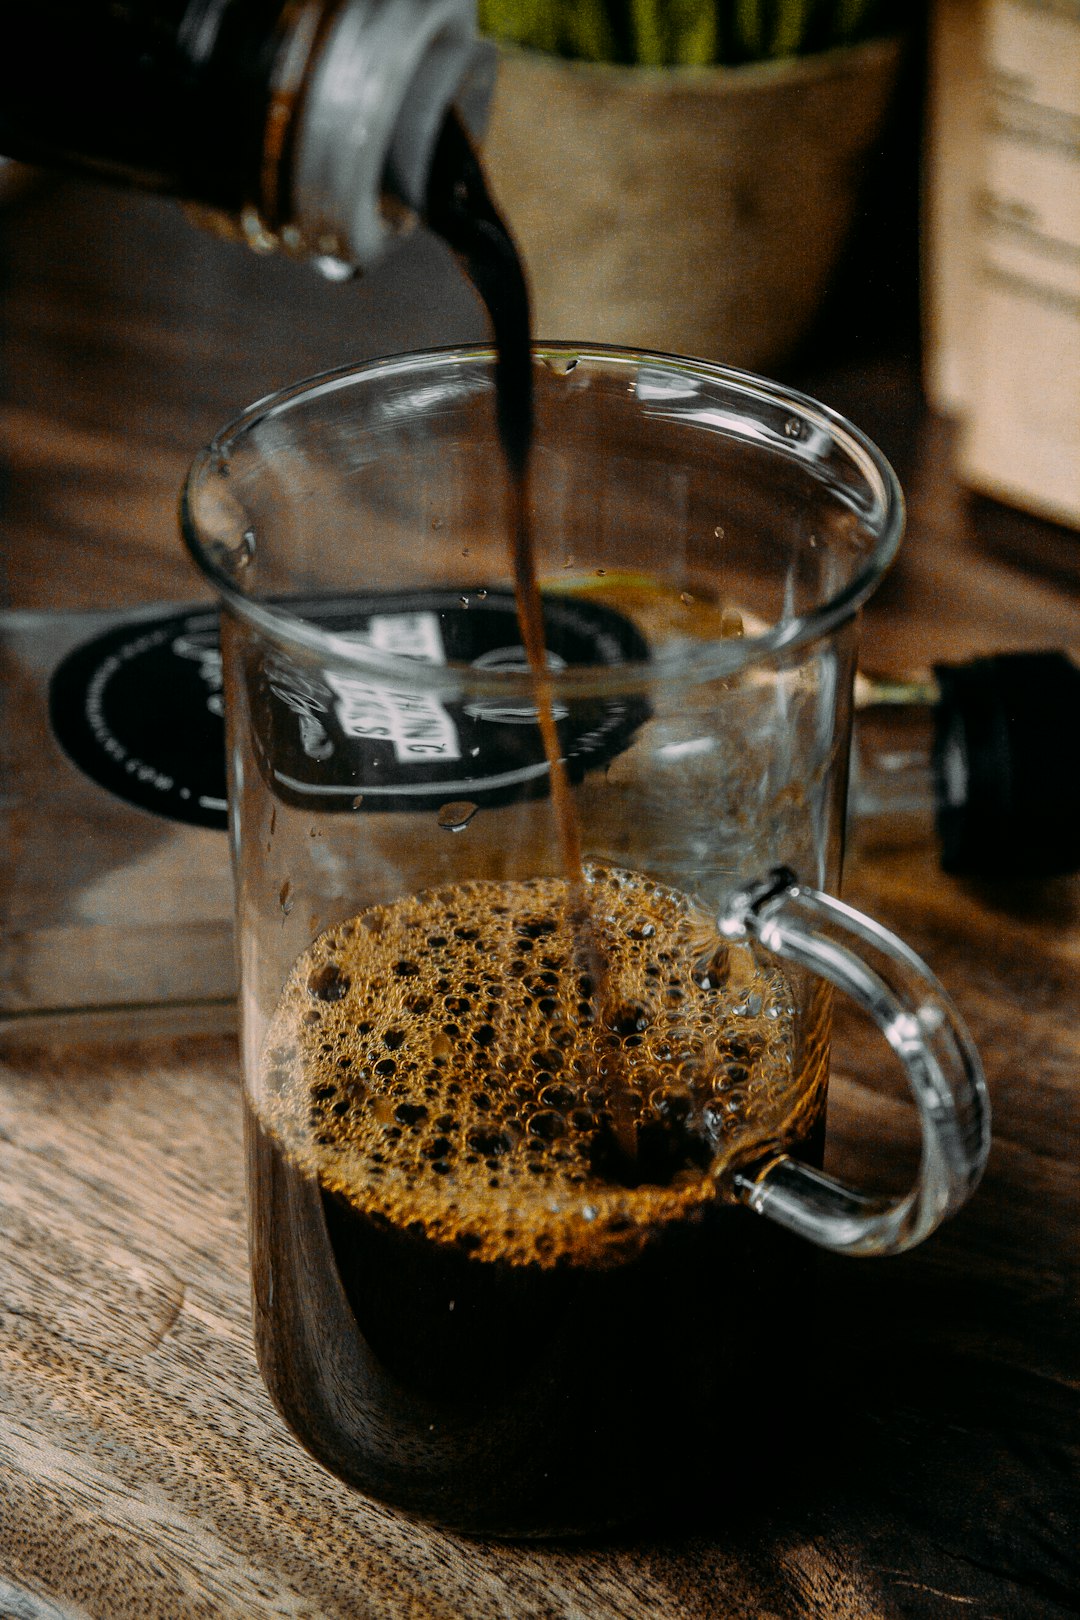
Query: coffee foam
443	1066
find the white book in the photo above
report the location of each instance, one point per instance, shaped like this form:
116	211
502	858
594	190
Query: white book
1003	246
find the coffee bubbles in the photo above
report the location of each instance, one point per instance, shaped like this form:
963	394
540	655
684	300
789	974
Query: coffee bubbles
446	1065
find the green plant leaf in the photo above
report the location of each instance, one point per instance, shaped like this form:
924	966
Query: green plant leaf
662	33
748	29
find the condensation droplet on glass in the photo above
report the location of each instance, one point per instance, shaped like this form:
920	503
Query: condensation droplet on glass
793	428
285	900
731	623
437	523
245	551
474	753
560	364
686	598
465	550
464	600
600	572
331	268
455	817
481	595
569	563
719	531
358	801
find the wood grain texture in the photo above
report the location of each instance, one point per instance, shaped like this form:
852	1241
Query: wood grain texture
143	1471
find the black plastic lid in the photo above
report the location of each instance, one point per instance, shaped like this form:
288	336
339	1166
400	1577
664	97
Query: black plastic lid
1007	765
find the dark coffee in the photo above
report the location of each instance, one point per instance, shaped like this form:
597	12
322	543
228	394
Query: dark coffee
466	1302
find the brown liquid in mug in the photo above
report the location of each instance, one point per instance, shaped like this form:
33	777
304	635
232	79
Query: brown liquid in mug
494	1283
461	1305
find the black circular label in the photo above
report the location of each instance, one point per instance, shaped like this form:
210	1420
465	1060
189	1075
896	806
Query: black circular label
140	709
337	740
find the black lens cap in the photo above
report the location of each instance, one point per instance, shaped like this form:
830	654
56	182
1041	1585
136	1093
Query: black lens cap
1007	765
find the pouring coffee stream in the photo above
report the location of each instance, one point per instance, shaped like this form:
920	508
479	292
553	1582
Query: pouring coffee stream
461	210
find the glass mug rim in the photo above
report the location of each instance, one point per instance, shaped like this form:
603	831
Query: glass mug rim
819	428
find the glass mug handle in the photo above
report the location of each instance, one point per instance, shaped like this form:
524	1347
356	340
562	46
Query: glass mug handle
925	1031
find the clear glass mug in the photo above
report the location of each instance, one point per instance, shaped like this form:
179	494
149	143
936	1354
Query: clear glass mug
526	1193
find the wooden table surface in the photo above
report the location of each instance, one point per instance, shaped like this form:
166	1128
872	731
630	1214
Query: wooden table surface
143	1471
